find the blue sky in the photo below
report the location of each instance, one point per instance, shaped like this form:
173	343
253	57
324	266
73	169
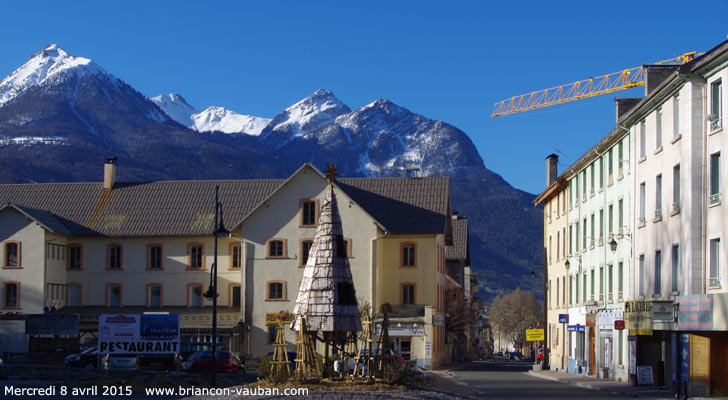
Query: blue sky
444	60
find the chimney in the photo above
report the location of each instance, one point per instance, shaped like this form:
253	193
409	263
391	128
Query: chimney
656	74
552	162
625	104
109	172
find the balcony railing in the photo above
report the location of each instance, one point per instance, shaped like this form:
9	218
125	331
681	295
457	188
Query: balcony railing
715	198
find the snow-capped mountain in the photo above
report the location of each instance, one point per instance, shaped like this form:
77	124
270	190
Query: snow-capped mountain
48	64
176	108
378	139
211	119
311	113
223	120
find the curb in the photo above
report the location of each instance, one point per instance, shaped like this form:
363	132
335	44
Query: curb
590	386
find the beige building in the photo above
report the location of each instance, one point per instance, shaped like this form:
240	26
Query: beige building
94	248
555	223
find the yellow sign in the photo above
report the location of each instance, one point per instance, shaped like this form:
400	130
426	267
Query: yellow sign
533	335
279	317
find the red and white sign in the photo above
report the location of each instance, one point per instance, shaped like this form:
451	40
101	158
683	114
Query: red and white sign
619	324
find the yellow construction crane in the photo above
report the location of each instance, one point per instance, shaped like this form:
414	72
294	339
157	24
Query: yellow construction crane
591	87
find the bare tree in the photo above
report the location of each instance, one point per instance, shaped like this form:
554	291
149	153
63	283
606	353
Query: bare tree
515	312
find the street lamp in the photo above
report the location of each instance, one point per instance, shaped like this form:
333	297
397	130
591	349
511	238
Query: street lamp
218	231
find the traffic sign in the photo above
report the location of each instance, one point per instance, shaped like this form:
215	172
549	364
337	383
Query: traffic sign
533	335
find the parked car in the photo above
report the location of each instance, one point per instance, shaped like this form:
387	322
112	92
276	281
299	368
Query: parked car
120	361
226	361
163	361
186	349
84	359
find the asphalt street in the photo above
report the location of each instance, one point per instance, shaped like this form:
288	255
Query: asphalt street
505	379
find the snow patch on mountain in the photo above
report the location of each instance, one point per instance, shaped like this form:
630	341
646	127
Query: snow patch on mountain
211	119
29	140
223	120
176	108
49	63
315	111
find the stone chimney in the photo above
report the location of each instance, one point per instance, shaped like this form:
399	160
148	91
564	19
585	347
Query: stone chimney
109	172
552	162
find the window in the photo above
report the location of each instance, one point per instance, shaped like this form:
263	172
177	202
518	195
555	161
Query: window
11	294
716	105
601	172
408	293
642	274
12	254
558	245
195	256
592	282
576	247
642	202
658	196
113	295
620	157
113	257
571	194
592	229
154	256
583	239
550	295
676	116
571	294
571	238
305	250
234	295
643	140
276	290
715	178
583	174
309	208
563	235
620	277
591	175
194	295
558	290
610	278
584	299
563	290
675	267
601	224
610	166
345	294
73	298
611	218
550	250
715	262
75	259
408	255
676	188
620	205
658	129
658	272
235	256
601	282
154	295
276	248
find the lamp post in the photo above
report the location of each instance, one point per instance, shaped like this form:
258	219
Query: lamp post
218	231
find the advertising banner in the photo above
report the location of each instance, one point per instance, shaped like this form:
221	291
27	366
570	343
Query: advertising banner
533	335
51	324
695	312
138	334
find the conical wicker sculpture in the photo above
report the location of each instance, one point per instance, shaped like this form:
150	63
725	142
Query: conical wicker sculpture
326	297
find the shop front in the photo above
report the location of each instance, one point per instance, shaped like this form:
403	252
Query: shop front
702	335
651	323
610	343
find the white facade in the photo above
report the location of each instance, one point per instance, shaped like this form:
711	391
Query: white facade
600	211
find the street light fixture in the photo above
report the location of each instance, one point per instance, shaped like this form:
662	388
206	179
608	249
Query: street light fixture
219	231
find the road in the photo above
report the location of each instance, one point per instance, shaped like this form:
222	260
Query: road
505	379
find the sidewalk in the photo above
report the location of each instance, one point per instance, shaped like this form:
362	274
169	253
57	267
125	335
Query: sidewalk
602	385
445	381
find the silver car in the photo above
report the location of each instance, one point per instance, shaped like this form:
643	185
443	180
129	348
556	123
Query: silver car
120	361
